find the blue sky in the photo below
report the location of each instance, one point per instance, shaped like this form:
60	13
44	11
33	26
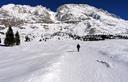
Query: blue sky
118	7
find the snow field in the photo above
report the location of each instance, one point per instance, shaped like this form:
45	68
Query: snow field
58	61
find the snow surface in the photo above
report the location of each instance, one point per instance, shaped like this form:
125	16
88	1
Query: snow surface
59	61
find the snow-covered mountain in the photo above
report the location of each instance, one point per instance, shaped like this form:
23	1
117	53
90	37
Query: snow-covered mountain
88	17
78	19
27	13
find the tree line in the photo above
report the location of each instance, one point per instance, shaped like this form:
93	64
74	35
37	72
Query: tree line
12	39
90	37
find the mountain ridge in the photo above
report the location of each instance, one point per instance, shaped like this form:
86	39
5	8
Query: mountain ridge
76	19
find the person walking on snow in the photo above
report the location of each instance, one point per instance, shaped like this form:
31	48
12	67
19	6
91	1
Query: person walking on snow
78	47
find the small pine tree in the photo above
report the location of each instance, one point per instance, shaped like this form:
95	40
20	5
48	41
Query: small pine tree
17	38
0	40
27	39
9	39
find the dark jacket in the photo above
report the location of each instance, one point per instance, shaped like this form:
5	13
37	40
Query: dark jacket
78	46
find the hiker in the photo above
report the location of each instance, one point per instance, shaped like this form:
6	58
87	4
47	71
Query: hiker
78	47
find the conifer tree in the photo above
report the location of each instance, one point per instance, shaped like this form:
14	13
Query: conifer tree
0	40
17	38
9	39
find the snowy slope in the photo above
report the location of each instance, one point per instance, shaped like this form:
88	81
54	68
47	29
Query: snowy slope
58	61
91	17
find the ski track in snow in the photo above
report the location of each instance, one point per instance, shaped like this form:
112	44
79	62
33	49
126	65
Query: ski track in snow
58	61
